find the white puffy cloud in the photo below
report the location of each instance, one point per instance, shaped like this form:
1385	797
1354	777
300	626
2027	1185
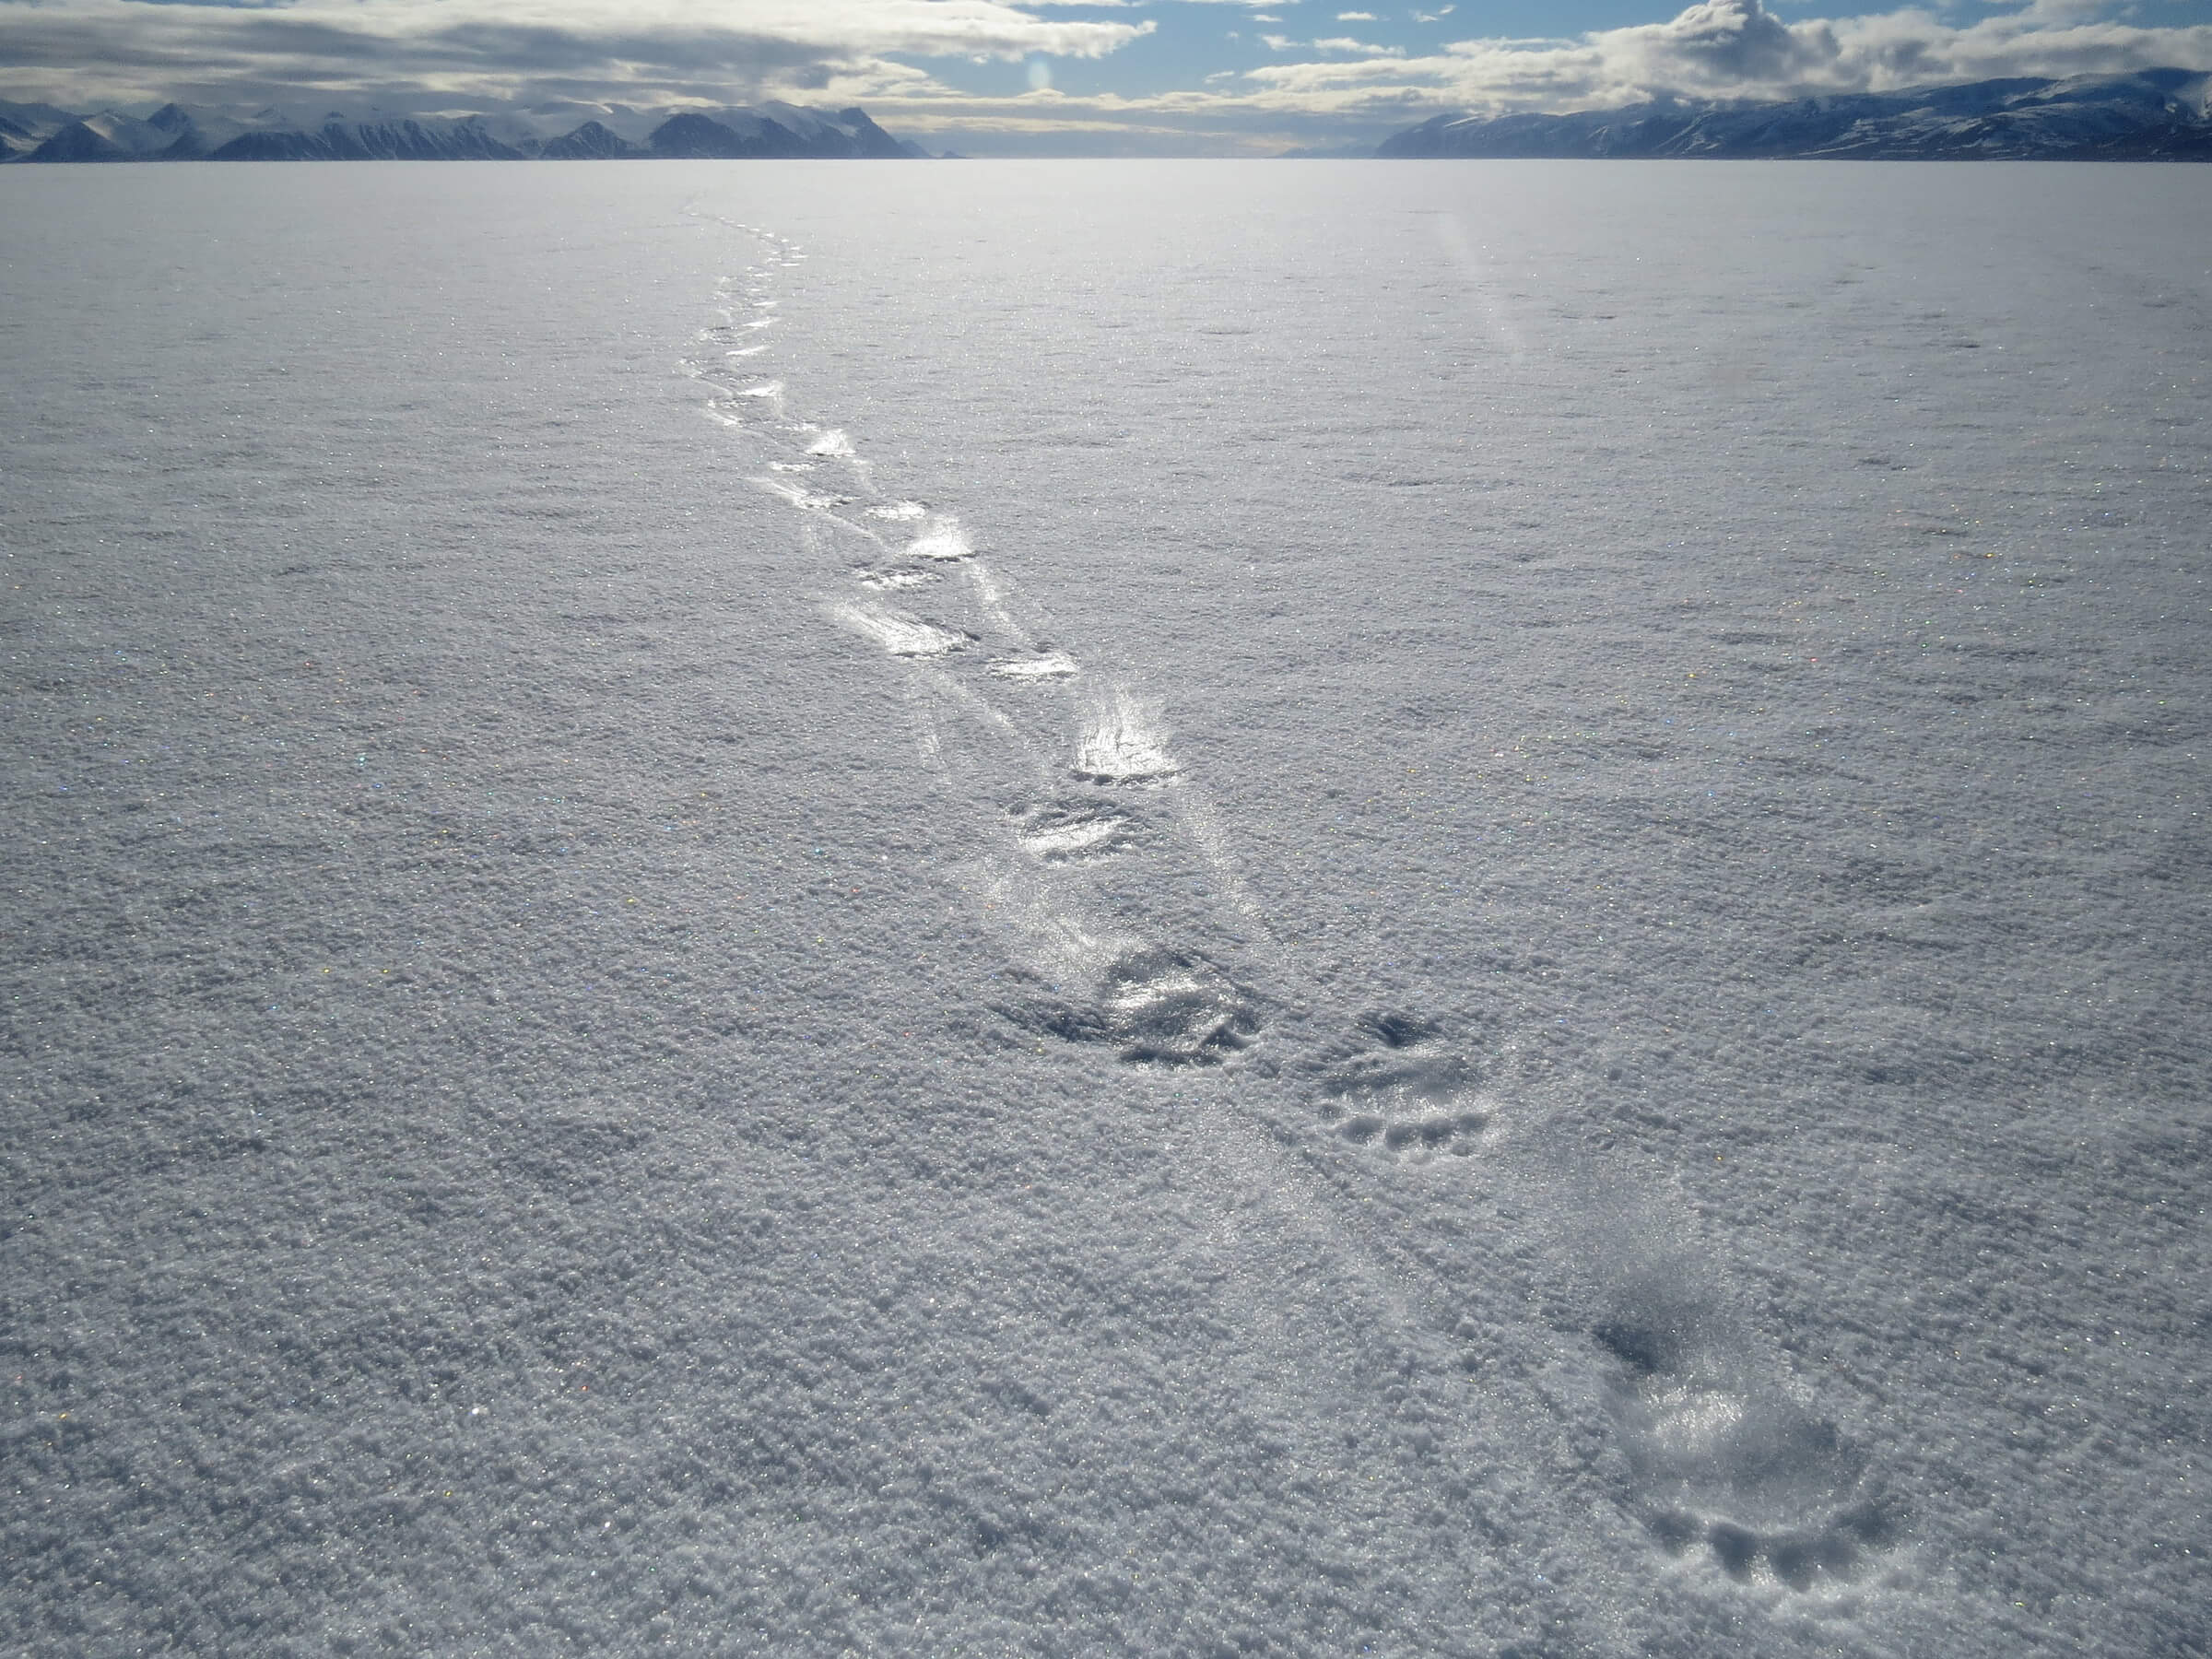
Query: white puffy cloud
1734	49
1716	49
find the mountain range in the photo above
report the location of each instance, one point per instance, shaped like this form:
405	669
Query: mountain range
34	132
2153	116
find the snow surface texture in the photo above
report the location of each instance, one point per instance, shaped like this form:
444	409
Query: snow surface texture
1278	908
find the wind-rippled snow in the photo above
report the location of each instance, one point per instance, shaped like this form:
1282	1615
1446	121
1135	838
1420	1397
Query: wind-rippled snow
1294	908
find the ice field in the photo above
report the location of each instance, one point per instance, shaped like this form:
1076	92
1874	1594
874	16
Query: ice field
1113	908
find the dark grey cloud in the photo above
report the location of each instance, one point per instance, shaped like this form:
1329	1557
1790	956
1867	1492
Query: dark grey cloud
433	51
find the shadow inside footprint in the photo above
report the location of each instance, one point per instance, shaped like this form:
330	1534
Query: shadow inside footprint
1686	1429
1730	1463
1396	1030
1076	831
1156	1007
1647	1347
893	578
1408	1100
1801	1558
1174	1010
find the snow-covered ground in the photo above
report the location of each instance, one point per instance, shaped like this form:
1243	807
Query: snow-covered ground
1291	908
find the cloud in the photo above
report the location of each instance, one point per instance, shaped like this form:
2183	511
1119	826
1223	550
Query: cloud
1719	49
1732	49
446	55
421	53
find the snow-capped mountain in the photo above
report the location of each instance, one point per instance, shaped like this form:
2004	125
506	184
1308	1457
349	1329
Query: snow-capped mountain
24	126
556	132
2157	114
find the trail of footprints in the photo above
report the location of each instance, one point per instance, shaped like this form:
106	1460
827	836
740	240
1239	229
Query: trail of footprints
1083	777
922	593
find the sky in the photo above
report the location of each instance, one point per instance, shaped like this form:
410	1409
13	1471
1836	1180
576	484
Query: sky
1059	77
